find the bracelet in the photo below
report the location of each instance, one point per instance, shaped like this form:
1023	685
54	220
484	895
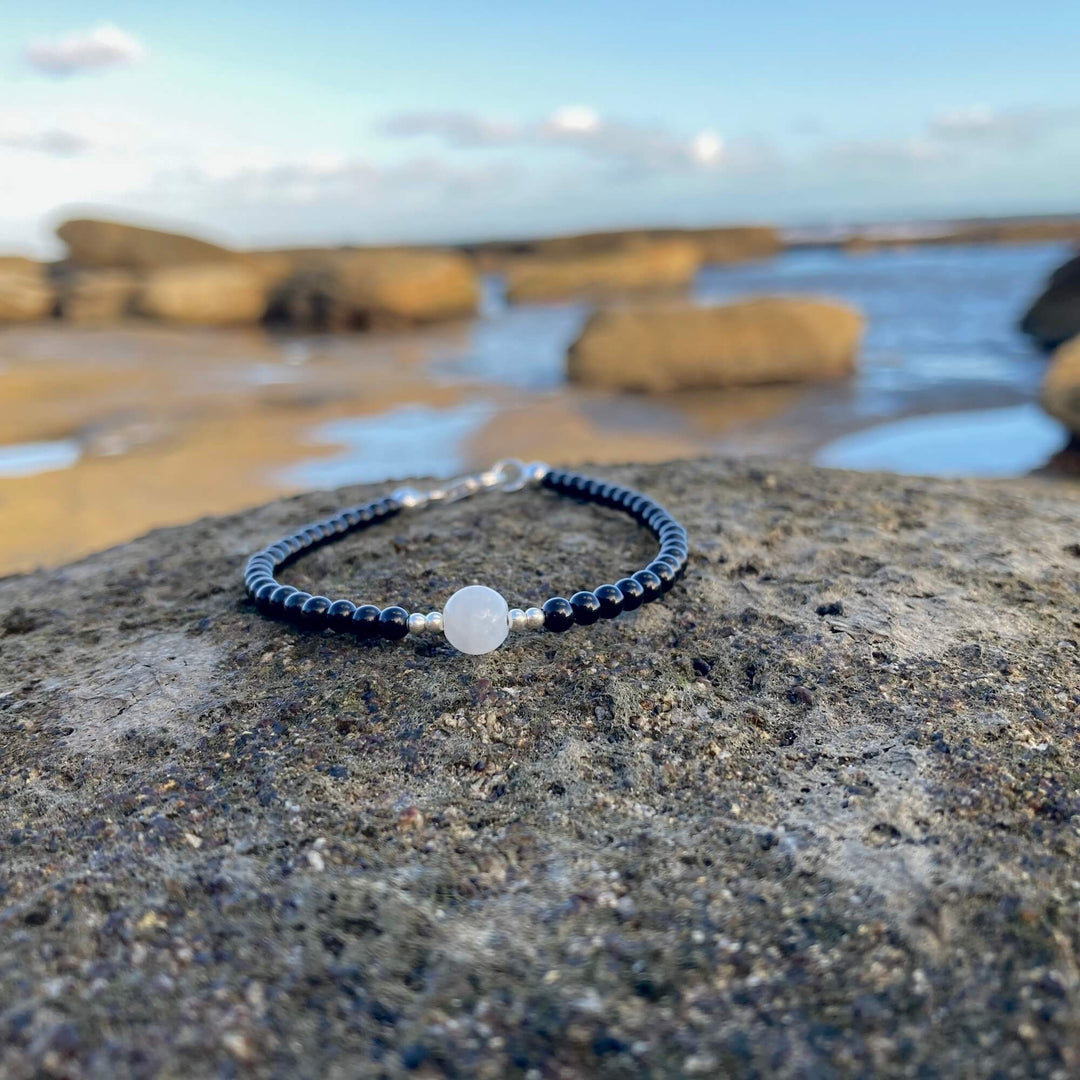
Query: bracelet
476	619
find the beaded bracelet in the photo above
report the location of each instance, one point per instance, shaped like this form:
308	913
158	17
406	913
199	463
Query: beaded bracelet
476	619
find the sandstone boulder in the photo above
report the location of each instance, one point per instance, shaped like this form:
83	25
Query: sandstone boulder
26	293
112	245
1054	318
668	264
205	295
91	296
725	244
371	288
1061	385
763	340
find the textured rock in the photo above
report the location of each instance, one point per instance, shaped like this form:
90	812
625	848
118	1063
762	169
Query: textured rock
207	295
112	245
371	288
765	340
1061	385
667	264
1054	317
724	244
91	296
25	291
812	815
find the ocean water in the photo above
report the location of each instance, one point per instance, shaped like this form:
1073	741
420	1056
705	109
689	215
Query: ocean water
946	384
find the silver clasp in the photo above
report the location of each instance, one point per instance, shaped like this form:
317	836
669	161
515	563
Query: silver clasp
509	474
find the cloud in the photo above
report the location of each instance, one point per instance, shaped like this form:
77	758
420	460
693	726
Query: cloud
982	125
18	134
103	46
631	147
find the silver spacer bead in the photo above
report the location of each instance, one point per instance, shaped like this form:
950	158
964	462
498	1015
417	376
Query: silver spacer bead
417	623
433	622
535	471
516	619
534	619
410	498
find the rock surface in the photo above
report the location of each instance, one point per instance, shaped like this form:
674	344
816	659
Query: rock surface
669	264
1054	317
815	814
373	288
723	244
673	347
25	291
111	245
96	296
210	294
1061	385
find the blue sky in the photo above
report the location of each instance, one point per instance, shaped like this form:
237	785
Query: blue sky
339	122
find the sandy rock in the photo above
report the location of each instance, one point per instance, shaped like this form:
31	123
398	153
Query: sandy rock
112	245
1054	317
669	264
725	244
25	291
1061	385
765	340
204	295
372	288
93	296
770	826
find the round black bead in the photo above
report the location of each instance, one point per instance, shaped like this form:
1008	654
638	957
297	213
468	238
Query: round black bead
280	551
364	516
393	623
672	560
278	597
365	622
586	608
632	593
610	598
263	594
664	572
558	614
254	582
294	605
313	613
650	583
339	616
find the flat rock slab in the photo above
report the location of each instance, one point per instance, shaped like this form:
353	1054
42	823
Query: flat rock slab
815	814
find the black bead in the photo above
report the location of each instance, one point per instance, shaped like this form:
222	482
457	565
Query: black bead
278	598
280	551
558	614
664	572
650	583
393	623
610	598
365	622
672	560
313	613
255	583
592	489
294	605
387	508
632	593
586	608
262	596
339	616
364	516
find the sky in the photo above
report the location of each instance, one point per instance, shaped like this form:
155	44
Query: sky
285	123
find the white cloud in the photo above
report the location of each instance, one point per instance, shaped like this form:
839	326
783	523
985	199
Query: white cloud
630	147
103	46
20	133
574	118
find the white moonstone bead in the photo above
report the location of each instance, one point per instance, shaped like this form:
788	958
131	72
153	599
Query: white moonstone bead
474	619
